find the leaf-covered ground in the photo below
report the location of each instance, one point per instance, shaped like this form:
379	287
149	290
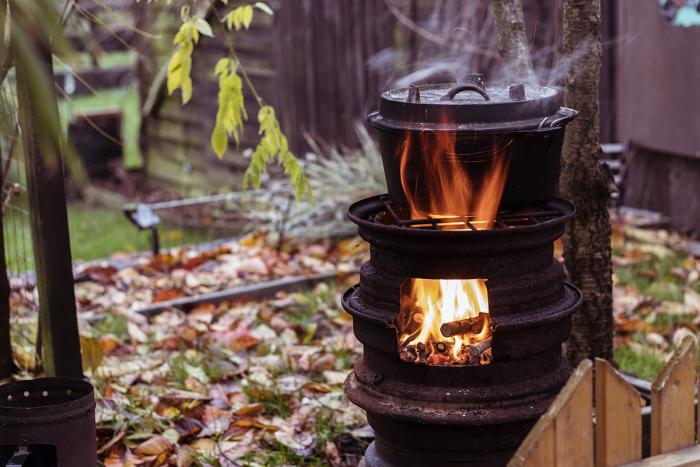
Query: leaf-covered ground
260	382
656	297
246	383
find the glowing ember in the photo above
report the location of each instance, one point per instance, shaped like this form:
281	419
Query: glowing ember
446	321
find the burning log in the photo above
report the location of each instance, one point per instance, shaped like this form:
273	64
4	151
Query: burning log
408	354
475	351
464	326
423	352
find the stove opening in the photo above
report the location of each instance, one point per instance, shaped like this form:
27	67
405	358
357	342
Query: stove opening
444	322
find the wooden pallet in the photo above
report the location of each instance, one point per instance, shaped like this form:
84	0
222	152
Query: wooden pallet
577	432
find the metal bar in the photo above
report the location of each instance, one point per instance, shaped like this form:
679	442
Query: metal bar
392	212
253	292
232	196
58	322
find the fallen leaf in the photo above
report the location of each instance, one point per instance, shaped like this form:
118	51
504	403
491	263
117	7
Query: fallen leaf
251	410
136	332
250	423
186	456
91	353
166	295
206	446
318	387
154	446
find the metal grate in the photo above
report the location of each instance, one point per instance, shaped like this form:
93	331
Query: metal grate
398	213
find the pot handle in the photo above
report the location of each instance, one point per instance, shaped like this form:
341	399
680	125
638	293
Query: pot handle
453	91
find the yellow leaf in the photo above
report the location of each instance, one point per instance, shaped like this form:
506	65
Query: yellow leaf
91	352
219	141
247	16
186	89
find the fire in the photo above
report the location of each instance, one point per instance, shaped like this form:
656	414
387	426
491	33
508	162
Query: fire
439	181
446	321
437	307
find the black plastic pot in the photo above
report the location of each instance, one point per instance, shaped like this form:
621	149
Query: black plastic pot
527	133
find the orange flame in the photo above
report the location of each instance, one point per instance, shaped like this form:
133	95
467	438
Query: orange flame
437	183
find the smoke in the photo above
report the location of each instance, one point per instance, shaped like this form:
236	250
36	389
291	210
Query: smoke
454	38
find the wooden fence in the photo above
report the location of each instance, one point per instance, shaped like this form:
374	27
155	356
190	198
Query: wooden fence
574	432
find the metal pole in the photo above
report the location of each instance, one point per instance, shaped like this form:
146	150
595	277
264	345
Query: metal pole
38	119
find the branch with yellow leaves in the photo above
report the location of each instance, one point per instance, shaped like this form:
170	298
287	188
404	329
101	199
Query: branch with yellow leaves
231	113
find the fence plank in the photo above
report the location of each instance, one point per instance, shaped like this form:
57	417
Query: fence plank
682	458
618	428
672	401
575	416
564	435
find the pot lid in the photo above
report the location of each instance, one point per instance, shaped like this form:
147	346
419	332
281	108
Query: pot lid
470	105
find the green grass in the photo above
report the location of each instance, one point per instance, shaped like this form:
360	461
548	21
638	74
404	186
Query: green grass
653	277
95	233
644	364
279	454
274	401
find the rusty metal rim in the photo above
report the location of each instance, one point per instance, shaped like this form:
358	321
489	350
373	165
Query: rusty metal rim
361	211
548	315
401	408
475	396
79	397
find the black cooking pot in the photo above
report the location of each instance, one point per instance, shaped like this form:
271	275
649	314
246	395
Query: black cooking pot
523	124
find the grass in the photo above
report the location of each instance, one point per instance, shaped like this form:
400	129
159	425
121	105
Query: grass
274	401
280	455
643	363
653	277
95	233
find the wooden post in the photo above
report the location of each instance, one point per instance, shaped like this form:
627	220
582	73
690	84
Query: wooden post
673	401
38	119
618	426
563	436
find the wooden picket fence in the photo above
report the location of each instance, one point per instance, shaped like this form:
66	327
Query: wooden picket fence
574	432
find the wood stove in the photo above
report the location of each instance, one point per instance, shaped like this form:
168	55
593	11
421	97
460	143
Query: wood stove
462	308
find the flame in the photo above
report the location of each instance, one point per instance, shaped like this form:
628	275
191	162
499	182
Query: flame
441	301
439	182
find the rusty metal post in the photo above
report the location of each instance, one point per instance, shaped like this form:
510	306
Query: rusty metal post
38	119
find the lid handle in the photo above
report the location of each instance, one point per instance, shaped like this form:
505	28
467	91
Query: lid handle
453	91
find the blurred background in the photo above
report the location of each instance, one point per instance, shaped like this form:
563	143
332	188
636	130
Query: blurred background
322	65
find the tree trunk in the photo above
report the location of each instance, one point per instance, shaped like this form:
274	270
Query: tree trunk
587	240
511	39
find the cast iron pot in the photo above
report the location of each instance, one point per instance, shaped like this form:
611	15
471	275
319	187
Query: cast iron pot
523	124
